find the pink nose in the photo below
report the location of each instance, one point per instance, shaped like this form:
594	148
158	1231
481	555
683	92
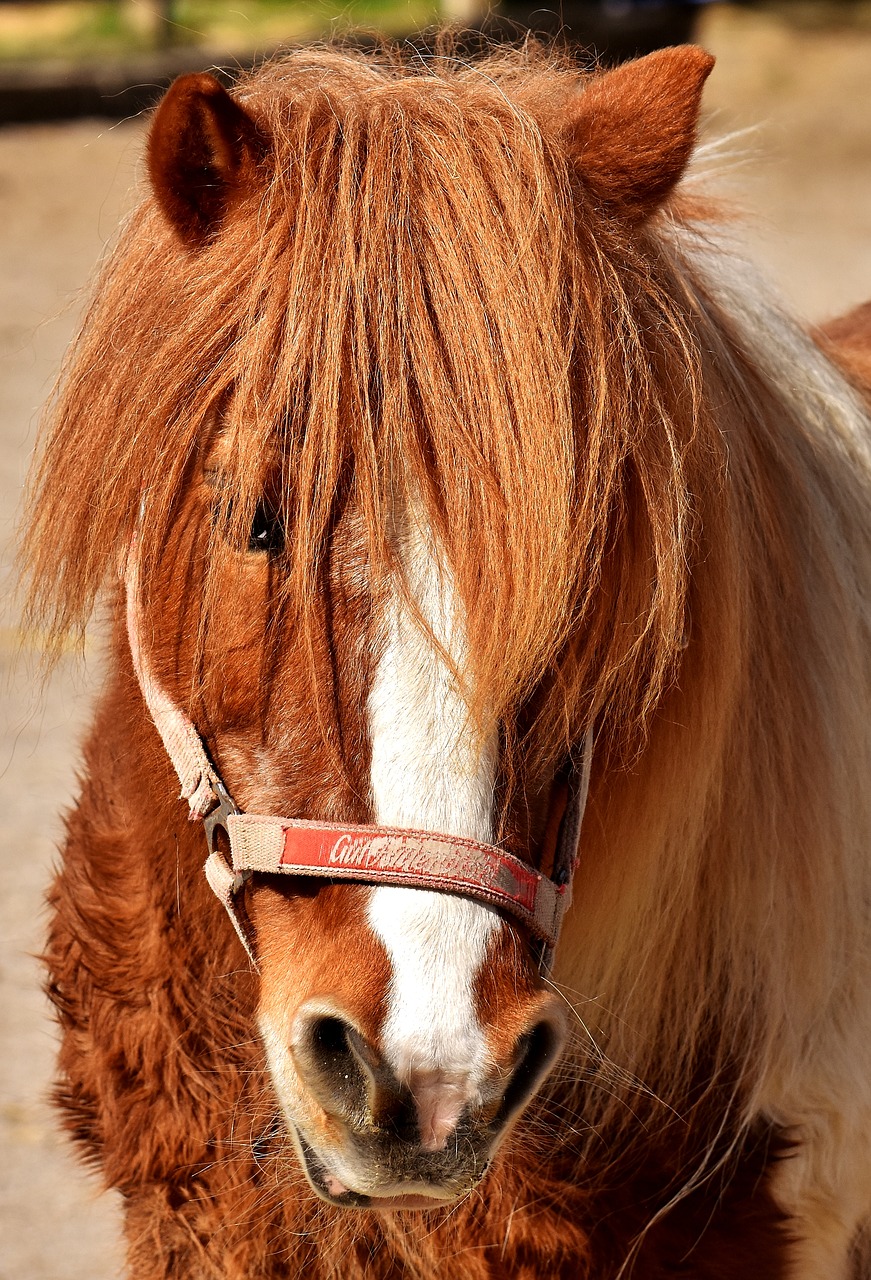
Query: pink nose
439	1098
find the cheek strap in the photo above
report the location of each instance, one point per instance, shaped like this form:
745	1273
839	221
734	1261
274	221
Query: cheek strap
184	746
365	854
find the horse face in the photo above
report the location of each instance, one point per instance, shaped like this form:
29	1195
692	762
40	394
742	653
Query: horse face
404	1029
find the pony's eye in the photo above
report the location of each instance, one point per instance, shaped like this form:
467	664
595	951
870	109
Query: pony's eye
267	533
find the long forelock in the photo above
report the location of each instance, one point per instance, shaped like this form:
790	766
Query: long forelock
416	307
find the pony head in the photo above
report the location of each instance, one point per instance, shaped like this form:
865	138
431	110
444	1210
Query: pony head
385	379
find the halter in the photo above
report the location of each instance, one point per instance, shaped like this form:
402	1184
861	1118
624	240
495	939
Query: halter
365	854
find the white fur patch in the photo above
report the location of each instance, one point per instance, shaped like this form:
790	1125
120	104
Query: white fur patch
427	773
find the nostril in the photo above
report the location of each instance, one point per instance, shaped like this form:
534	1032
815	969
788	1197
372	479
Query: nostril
334	1061
329	1038
349	1078
536	1052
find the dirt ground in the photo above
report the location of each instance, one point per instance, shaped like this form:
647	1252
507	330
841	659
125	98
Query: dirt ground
804	174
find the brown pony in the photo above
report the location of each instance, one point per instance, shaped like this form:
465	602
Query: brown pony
440	425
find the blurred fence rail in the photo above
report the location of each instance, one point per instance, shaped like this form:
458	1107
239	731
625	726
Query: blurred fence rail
66	58
113	58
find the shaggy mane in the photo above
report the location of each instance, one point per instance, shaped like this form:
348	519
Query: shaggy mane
374	326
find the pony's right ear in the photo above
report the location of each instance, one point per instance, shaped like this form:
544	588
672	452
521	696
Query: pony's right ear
203	149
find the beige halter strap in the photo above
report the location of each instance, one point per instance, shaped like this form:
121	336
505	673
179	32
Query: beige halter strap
367	854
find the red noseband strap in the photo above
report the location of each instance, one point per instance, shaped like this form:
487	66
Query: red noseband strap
384	855
395	855
371	855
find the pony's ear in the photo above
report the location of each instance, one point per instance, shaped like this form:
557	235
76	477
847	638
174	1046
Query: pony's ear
202	150
631	130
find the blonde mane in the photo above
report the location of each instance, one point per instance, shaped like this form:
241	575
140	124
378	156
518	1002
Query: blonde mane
721	926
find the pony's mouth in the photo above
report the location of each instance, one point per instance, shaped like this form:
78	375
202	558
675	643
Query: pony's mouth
330	1187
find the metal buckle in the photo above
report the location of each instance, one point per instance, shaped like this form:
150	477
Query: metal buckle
216	820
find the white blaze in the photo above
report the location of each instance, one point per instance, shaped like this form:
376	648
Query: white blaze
428	773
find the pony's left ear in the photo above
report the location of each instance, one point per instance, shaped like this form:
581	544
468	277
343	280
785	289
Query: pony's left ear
203	150
631	130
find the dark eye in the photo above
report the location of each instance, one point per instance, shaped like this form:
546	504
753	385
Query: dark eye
267	533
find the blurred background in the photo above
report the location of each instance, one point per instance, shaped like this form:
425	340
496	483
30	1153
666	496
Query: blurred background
792	88
112	57
111	38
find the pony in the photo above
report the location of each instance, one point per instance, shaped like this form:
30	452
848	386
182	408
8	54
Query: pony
432	446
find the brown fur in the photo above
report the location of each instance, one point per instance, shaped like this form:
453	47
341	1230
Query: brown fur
423	290
206	152
849	340
664	88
